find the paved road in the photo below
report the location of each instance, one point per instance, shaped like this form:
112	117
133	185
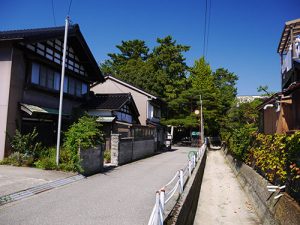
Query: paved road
222	200
122	196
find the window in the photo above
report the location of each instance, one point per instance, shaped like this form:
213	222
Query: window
66	84
50	79
71	86
57	81
84	89
35	73
78	88
43	76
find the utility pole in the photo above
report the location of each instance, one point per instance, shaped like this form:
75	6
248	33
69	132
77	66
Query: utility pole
202	125
61	90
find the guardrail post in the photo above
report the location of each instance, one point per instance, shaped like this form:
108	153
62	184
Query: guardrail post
162	199
194	161
181	181
157	216
190	168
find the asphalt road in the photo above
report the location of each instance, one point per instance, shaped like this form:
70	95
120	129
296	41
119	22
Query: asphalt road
122	196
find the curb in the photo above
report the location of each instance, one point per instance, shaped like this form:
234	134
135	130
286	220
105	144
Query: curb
38	189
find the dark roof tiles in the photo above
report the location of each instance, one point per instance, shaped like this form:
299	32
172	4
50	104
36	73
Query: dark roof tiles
109	101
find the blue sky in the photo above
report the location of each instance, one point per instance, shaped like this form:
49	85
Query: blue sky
243	36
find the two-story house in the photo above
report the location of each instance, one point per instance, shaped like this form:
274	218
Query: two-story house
116	112
148	105
281	112
30	69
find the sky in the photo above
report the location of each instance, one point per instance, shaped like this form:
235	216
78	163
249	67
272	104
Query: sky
243	35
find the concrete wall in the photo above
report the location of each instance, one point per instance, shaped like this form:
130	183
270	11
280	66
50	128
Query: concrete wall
270	211
5	76
125	150
92	160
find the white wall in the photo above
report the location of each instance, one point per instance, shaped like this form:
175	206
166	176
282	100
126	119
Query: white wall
5	77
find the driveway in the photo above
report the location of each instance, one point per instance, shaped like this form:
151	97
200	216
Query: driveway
13	179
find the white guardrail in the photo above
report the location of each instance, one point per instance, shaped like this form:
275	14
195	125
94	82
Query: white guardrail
165	194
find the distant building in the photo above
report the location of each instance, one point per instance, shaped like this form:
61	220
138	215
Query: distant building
30	67
248	98
116	112
149	106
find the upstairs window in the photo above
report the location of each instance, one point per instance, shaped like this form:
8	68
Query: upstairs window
50	79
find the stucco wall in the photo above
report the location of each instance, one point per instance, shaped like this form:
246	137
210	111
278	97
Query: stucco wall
125	150
5	73
113	87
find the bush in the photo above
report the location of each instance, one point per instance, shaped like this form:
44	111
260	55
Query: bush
107	156
47	159
239	141
18	159
83	134
26	143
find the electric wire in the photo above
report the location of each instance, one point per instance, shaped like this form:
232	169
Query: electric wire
69	8
204	34
208	28
53	13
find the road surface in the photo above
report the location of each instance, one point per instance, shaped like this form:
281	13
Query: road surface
122	196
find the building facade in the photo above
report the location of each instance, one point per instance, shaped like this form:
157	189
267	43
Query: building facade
148	105
30	68
281	112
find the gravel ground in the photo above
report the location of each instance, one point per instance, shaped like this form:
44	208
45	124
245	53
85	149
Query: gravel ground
222	200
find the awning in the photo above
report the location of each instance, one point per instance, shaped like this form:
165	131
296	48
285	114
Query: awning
30	109
106	119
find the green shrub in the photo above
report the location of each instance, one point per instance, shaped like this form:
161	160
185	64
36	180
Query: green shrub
47	159
18	159
239	141
26	143
107	156
83	134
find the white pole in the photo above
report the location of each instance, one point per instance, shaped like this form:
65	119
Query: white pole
202	125
61	90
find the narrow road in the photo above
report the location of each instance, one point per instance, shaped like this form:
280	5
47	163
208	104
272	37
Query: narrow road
222	200
122	196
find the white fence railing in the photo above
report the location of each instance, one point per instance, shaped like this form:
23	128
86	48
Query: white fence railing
165	194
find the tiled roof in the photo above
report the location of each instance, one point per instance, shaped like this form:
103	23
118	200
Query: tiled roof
109	101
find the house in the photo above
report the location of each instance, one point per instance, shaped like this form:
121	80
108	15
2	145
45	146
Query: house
116	112
30	67
281	112
148	105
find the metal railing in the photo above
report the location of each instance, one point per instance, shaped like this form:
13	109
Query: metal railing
168	191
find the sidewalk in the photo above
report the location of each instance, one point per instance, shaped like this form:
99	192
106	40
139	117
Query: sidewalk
14	179
222	200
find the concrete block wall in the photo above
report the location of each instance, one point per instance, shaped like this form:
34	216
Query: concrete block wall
125	150
92	160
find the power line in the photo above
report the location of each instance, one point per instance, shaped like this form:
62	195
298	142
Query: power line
69	8
208	27
204	37
53	14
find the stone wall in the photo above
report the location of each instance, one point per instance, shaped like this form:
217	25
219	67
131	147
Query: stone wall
92	160
270	211
125	150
